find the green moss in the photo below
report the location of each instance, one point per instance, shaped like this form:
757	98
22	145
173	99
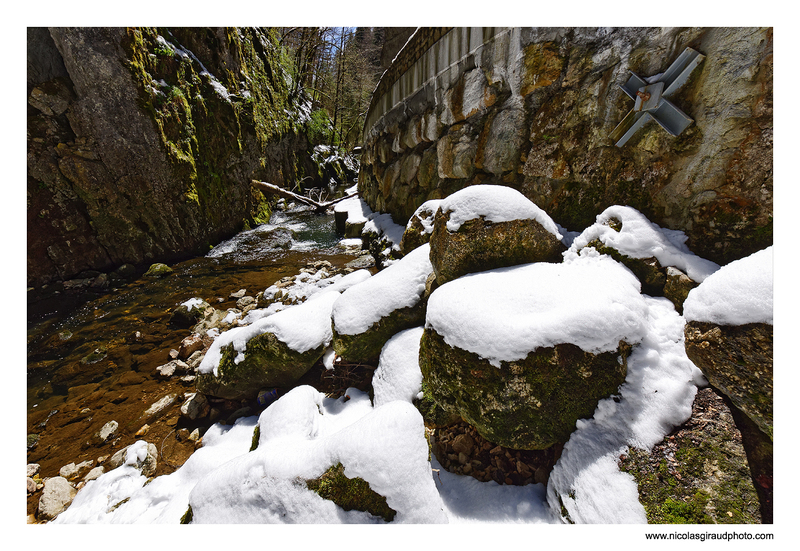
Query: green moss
350	493
187	516
256	437
528	404
674	511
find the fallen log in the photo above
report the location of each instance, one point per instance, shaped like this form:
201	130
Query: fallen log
286	194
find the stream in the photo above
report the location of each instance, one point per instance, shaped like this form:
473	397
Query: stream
95	363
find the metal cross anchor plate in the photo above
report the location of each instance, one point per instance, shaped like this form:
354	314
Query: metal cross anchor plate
650	97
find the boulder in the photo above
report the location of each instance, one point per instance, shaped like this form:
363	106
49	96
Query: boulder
158	270
522	353
419	227
728	333
367	315
654	254
274	351
484	227
189	313
195	406
57	494
737	360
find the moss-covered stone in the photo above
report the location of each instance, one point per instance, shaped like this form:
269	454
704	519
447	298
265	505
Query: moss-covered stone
480	245
350	493
527	404
366	347
736	359
677	287
267	362
699	474
158	270
647	270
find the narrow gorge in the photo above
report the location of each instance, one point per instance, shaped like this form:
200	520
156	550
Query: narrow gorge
538	289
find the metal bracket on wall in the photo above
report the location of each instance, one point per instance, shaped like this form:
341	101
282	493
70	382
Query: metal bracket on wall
650	99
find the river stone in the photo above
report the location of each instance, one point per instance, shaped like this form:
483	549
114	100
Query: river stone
147	464
195	406
73	471
529	404
186	316
57	494
158	270
480	245
737	360
158	408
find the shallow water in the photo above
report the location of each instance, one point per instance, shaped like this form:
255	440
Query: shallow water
97	362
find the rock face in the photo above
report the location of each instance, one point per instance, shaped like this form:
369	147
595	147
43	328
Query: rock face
533	108
142	143
736	359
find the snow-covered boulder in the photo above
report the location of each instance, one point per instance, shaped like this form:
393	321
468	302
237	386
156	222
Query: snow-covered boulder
367	315
522	353
420	226
729	333
273	351
647	250
487	226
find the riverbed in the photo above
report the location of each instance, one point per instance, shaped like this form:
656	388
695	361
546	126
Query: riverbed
97	362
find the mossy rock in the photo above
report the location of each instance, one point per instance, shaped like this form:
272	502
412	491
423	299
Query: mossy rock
268	363
699	473
434	415
182	316
366	347
529	404
158	270
480	245
737	360
350	493
648	271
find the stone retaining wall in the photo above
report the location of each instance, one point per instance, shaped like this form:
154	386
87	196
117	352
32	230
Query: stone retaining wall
532	108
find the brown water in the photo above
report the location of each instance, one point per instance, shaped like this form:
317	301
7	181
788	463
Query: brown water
97	363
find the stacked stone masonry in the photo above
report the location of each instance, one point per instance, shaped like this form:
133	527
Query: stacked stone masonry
532	108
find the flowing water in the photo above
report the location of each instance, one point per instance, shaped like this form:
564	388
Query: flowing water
97	362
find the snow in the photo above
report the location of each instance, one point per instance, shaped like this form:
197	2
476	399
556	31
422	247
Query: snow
657	395
739	293
502	315
401	285
398	376
640	238
426	214
384	225
192	303
356	208
495	204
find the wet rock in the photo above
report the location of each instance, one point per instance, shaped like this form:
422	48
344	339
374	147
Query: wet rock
105	434
32	469
195	406
158	270
172	368
187	315
57	494
157	409
190	345
73	471
238	294
31	485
